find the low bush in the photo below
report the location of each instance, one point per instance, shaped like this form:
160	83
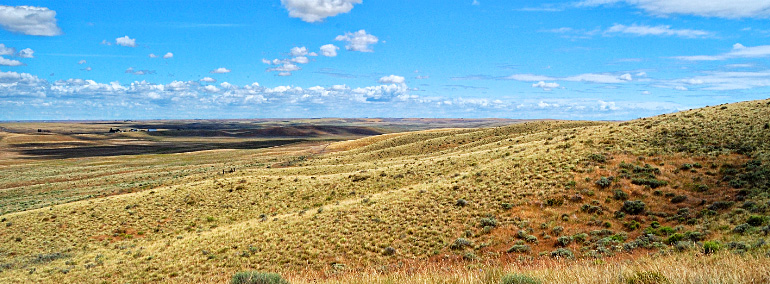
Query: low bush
519	248
711	247
256	277
756	221
460	243
679	199
516	278
562	253
633	207
647	277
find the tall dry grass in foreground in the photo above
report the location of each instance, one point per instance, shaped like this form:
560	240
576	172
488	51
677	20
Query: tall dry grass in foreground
684	268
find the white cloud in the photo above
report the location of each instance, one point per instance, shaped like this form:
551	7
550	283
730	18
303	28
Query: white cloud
605	106
545	86
625	77
300	60
26	53
391	79
312	54
358	41
4	50
475	3
738	51
713	8
129	70
211	89
152	55
316	10
298	51
87	68
660	30
29	20
208	80
284	74
126	41
288	67
421	77
329	50
168	55
220	70
587	77
82	61
9	62
680	88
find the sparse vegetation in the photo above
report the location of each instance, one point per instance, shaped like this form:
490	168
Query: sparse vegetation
501	200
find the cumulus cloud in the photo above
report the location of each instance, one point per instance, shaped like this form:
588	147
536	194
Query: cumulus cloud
210	89
168	55
738	51
329	50
152	55
300	60
285	69
9	62
126	41
391	79
358	41
26	53
316	10
4	50
298	51
220	70
82	61
545	86
29	20
208	80
713	8
661	30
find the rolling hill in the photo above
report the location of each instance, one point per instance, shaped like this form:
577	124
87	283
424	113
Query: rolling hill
529	195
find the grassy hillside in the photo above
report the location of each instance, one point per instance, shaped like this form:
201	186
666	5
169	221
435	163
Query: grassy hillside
595	198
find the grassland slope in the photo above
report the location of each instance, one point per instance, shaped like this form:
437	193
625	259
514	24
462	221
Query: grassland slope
534	192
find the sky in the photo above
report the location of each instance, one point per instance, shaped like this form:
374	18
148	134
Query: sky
190	59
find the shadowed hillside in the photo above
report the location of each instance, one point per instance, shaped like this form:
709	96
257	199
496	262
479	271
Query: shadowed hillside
533	195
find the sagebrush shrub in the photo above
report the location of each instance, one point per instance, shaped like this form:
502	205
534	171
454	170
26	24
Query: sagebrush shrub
516	278
256	277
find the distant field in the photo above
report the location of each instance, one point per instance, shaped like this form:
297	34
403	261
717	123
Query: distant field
672	198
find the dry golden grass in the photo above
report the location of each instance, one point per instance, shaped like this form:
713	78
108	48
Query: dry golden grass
316	211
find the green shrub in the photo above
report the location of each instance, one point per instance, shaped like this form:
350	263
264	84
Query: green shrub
603	182
599	158
647	277
742	228
633	207
756	221
491	222
711	247
516	278
653	183
256	277
519	248
679	199
563	241
562	253
673	239
719	205
620	195
580	238
633	225
460	243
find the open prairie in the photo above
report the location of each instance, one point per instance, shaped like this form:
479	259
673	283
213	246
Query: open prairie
675	198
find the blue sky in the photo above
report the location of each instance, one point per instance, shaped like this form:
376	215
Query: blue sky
592	59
